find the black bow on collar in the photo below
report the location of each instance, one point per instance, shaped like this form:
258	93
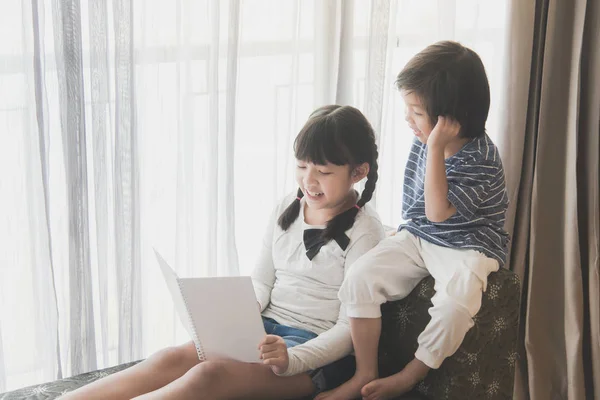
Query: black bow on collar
313	241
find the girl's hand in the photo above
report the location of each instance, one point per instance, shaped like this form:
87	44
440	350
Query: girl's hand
273	352
445	131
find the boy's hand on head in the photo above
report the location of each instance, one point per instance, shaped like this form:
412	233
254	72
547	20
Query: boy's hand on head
274	353
445	131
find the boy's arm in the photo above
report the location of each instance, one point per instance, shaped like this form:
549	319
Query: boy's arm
437	206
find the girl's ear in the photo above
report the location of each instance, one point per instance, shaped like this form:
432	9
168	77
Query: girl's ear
359	172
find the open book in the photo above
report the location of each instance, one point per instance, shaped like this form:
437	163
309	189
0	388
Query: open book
220	314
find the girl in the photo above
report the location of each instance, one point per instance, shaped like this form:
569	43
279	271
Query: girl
312	237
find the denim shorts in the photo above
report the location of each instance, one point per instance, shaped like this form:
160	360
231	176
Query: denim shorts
324	378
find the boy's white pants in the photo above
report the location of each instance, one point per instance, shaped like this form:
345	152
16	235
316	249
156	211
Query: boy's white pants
392	269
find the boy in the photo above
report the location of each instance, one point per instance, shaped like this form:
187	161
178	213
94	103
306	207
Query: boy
455	204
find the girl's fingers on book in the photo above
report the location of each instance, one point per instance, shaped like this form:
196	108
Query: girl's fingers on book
269	347
272	339
272	355
273	361
277	365
269	339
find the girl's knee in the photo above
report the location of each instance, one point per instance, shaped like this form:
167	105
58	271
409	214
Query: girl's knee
176	355
207	376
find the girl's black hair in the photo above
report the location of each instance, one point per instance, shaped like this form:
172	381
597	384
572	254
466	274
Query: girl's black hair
340	135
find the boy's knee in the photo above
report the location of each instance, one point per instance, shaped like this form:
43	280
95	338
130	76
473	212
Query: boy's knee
359	270
358	277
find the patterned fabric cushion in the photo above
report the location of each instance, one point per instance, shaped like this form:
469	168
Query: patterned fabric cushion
52	390
483	366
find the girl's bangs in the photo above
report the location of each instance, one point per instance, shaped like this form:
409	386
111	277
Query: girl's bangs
319	143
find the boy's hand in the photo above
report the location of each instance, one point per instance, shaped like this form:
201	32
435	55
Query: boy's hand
274	353
444	132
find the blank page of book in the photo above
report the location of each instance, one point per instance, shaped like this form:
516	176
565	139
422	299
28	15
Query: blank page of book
172	281
226	316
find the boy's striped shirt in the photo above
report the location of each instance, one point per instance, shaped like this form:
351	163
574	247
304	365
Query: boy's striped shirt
476	187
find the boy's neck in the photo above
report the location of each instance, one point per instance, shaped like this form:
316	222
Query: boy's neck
454	146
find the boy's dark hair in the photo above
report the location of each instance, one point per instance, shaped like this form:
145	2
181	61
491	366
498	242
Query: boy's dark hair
450	80
340	135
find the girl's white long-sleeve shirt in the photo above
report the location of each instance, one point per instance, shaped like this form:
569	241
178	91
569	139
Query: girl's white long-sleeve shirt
303	293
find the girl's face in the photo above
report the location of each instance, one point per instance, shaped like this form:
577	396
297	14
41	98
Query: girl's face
416	116
327	186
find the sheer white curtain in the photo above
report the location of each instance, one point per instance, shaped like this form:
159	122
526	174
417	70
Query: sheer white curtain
414	24
128	125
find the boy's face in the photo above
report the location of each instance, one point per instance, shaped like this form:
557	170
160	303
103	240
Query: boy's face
416	116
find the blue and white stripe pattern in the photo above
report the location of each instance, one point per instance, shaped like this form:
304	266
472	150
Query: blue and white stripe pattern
476	187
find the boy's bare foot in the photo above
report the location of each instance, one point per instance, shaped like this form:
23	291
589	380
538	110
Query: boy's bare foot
348	390
396	385
387	388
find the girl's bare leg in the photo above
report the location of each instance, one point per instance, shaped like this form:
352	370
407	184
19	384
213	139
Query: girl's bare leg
216	380
156	371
